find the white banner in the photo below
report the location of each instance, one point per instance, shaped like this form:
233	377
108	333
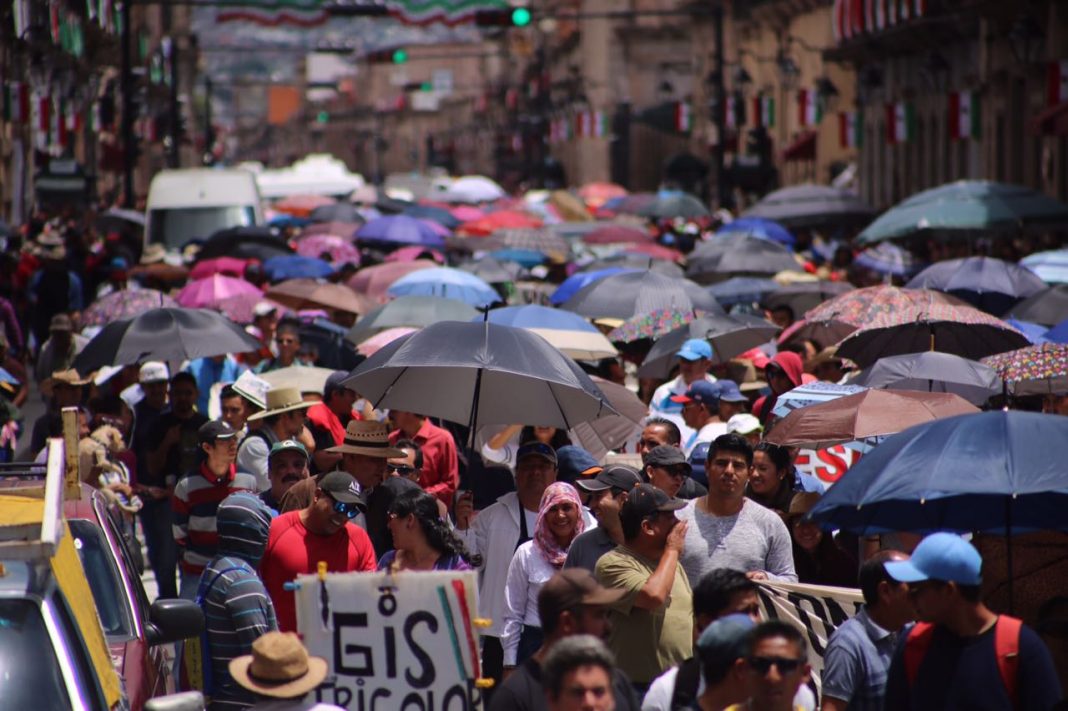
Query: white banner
403	641
816	610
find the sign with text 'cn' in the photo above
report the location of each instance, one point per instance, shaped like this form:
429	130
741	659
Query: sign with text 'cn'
405	641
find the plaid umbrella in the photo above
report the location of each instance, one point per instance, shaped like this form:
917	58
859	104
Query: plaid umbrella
860	306
1039	369
532	239
125	304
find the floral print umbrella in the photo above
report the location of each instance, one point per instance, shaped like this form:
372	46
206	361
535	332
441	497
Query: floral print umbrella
654	324
1038	369
861	306
125	304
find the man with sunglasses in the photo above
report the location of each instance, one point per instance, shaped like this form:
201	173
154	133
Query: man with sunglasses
287	345
410	465
667	469
776	663
608	490
321	532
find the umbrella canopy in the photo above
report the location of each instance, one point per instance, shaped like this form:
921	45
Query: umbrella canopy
294	266
759	227
493	271
343	229
736	254
448	282
811	394
526	258
571	286
1035	333
540	240
119	219
1051	267
569	206
311	293
305	378
990	284
339	249
336	212
1057	334
631	204
1047	307
807	206
597	194
639	262
480	373
471	189
728	335
1038	369
965	206
239	309
211	292
933	372
742	290
220	265
412	253
383	338
302	205
829	332
864	416
991	472
803	296
124	304
575	336
617	234
674	205
409	311
260	243
501	220
436	214
888	258
400	230
167	334
629	293
374	281
655	251
860	306
611	432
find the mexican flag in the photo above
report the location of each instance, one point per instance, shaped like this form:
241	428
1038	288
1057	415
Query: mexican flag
964	115
764	111
809	111
850	129
1057	82
601	128
16	102
900	123
683	117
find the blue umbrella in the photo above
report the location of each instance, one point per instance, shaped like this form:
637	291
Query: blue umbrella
534	316
1057	334
992	285
742	290
1034	332
574	283
400	230
761	227
523	257
284	220
447	282
438	214
296	267
1051	267
887	258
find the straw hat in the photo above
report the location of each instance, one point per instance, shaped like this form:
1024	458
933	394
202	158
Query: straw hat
279	666
64	377
153	254
370	439
281	400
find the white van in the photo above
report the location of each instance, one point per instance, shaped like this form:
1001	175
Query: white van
195	203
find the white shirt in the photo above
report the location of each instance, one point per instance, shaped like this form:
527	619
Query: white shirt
527	572
707	433
505	455
294	705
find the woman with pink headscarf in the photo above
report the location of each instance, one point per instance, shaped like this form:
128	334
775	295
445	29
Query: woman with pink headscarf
559	521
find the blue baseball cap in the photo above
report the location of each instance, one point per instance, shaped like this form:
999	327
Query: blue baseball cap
700	391
725	640
729	391
939	556
695	349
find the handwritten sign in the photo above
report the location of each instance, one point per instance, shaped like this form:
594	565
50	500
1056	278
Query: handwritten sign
405	641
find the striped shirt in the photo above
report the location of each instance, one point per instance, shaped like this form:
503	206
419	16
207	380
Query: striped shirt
237	610
196	499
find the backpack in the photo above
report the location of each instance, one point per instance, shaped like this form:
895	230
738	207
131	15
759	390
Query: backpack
687	680
194	655
1006	649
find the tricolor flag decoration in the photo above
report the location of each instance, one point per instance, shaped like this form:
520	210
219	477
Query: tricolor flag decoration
900	123
964	115
601	128
764	111
850	129
16	102
274	13
683	117
809	108
1057	82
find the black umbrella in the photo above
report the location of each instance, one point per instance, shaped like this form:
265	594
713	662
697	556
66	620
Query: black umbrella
801	206
803	296
1047	308
728	335
245	243
628	293
438	214
680	205
167	335
738	254
337	212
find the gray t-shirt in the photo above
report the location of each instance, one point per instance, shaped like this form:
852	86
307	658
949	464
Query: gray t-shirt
753	539
587	549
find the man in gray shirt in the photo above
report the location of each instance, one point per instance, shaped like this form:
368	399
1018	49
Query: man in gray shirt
608	490
726	529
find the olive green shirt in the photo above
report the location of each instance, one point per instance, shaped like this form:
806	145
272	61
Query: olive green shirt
646	642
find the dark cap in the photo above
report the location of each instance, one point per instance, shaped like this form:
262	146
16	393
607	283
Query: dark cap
342	487
724	640
61	322
335	381
700	391
666	455
645	500
730	392
570	588
539	449
575	463
213	430
617	476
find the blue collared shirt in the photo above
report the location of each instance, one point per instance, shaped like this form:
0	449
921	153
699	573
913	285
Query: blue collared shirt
856	663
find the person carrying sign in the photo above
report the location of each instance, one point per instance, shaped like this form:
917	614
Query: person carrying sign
962	655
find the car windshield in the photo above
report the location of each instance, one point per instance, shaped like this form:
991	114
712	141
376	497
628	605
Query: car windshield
176	226
112	604
31	677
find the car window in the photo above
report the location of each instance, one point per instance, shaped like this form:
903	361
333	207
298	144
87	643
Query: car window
109	594
31	677
76	656
126	559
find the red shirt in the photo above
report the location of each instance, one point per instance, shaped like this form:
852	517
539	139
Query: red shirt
441	468
293	550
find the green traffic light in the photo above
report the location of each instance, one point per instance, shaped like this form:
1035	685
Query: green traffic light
521	17
322	117
400	56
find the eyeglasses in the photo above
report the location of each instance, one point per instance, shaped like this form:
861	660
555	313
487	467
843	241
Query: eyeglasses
401	469
349	510
785	665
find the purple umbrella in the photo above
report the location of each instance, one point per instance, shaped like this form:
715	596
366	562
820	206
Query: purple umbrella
124	304
400	230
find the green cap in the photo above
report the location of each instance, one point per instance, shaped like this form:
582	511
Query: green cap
287	445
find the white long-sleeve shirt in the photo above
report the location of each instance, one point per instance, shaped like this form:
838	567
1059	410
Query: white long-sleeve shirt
527	572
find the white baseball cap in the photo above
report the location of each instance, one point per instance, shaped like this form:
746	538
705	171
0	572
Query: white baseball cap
154	371
253	388
744	424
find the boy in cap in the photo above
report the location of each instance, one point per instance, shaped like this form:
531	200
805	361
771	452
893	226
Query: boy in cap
962	655
608	490
700	411
695	358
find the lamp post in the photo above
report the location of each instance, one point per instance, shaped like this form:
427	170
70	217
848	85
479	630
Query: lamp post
126	83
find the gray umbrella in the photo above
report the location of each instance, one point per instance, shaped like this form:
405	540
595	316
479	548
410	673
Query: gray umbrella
802	206
738	254
681	205
934	372
628	293
410	311
493	271
728	335
480	373
634	260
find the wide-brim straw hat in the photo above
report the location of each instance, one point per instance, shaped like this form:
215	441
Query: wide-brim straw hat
279	667
370	439
281	400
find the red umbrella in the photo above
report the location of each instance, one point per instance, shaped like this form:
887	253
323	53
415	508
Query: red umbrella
618	234
656	251
597	194
374	281
498	221
229	266
302	205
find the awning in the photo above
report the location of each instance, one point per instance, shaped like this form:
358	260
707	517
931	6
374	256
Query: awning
802	148
1053	121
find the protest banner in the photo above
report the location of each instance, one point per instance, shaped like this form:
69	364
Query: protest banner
828	465
816	610
403	641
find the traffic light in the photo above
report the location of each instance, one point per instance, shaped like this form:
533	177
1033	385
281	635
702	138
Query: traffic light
397	55
400	55
322	117
505	17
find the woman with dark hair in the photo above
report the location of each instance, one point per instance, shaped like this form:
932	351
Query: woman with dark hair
501	448
421	539
818	558
775	480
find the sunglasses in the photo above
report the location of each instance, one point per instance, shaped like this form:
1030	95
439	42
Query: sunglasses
402	469
762	665
351	511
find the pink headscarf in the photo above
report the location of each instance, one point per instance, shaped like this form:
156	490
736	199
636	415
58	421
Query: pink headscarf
557	493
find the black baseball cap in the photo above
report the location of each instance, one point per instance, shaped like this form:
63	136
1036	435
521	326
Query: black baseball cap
213	430
617	476
342	487
537	449
667	455
645	500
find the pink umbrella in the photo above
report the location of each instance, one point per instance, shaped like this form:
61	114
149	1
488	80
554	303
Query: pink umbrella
239	308
466	213
656	251
414	252
377	341
230	266
211	292
340	249
373	281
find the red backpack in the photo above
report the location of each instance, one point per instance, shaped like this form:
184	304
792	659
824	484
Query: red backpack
1006	648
